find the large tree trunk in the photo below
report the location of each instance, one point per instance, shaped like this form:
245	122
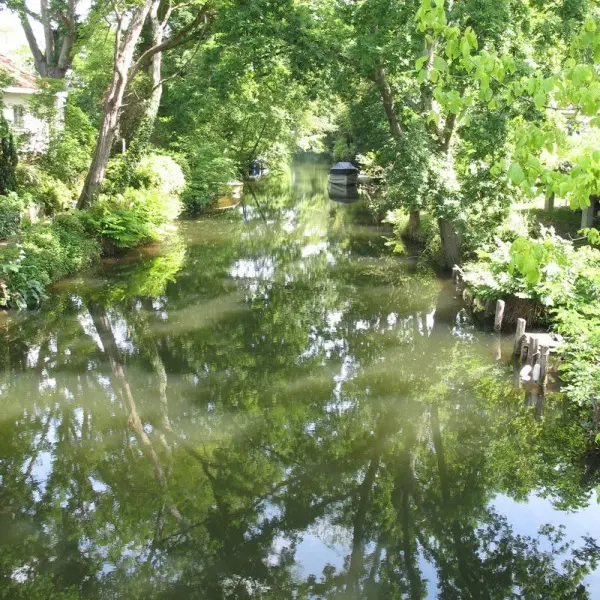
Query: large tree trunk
112	103
414	223
451	243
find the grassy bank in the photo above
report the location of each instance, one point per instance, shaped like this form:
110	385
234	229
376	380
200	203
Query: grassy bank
34	256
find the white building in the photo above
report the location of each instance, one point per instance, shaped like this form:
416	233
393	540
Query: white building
17	111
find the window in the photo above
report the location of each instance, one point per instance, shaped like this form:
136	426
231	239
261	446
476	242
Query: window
18	116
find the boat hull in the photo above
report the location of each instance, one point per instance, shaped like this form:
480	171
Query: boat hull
347	179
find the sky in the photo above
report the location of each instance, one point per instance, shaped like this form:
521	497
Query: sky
11	35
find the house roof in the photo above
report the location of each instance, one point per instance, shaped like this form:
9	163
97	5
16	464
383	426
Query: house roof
21	78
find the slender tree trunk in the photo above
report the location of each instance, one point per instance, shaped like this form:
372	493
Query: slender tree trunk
141	139
364	495
104	331
389	105
112	104
57	57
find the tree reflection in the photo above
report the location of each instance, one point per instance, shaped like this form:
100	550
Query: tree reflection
184	430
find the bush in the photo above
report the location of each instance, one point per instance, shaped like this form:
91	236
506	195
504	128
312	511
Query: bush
8	157
565	283
161	173
11	208
51	194
43	254
135	217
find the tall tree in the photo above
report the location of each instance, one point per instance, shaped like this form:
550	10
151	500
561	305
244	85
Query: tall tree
129	24
61	27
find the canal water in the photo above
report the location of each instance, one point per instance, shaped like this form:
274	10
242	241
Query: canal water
270	405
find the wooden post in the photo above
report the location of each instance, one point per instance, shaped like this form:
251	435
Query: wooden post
549	203
533	350
544	354
525	348
499	315
521	326
535	373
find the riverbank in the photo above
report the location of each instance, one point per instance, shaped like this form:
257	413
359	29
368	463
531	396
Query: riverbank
550	280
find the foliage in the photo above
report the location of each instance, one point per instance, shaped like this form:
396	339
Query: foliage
161	173
8	158
40	256
11	209
69	151
135	217
143	211
564	280
210	170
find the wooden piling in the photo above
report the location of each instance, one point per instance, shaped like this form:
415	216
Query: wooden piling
521	326
500	305
533	351
525	348
544	355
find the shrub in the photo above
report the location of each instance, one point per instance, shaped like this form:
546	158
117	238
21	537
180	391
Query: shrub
51	194
135	217
160	172
565	283
41	255
8	158
11	208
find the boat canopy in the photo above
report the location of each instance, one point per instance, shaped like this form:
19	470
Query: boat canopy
344	168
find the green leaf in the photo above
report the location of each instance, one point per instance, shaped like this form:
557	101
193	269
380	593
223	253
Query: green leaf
440	64
420	62
539	100
516	174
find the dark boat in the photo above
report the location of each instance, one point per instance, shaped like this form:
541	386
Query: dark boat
344	173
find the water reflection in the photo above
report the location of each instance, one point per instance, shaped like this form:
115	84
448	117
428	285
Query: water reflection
274	408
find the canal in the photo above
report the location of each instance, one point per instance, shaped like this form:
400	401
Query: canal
269	404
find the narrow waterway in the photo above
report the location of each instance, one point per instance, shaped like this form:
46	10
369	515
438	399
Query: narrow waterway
269	405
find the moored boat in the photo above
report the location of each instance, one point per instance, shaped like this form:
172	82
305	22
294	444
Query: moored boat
344	174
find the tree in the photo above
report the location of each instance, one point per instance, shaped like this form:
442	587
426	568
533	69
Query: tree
61	26
129	24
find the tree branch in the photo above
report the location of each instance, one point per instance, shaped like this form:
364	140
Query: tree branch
38	57
183	36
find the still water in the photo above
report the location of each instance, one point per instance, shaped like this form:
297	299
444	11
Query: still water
269	405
